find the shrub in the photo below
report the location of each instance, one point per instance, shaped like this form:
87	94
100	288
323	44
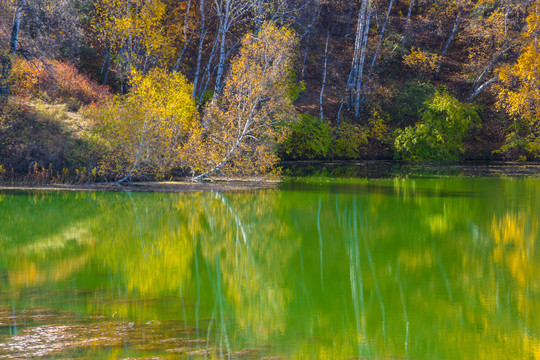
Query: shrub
59	80
422	61
440	133
523	141
349	141
26	77
378	128
310	139
410	100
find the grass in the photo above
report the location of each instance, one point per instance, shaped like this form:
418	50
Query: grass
38	135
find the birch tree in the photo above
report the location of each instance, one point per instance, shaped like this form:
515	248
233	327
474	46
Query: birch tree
376	54
407	23
518	91
356	77
7	55
134	31
325	72
202	36
185	39
462	6
242	129
500	33
229	12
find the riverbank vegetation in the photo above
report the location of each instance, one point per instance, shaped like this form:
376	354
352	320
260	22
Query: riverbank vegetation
95	90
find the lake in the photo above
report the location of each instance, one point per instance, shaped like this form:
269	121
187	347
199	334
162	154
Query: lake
434	267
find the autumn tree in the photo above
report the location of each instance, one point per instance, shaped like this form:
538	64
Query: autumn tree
496	32
241	129
355	83
142	131
518	92
134	34
229	12
38	31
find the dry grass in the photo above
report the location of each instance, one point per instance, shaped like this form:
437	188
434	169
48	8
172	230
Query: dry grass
45	135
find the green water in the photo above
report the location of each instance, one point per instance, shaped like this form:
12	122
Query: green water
443	268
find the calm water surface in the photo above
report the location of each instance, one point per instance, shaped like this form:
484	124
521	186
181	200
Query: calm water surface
441	268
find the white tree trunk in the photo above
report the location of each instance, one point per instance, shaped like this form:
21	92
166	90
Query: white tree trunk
186	42
6	59
353	76
202	36
454	31
372	65
136	161
482	88
221	60
407	23
324	75
360	73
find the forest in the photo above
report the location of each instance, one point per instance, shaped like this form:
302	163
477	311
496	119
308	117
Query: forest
122	90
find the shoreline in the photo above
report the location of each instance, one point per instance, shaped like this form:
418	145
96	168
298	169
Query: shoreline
156	187
371	169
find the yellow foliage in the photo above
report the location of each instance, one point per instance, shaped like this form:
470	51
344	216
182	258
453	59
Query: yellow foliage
515	236
143	130
519	84
134	31
518	91
243	126
422	61
379	128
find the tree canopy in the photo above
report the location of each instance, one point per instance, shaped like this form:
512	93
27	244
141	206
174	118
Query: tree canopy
258	75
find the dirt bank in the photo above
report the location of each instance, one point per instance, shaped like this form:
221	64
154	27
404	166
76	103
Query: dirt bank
176	186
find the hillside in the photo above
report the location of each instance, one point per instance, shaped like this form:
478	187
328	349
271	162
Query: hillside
368	79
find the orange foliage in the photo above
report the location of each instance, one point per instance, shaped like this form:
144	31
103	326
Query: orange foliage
58	80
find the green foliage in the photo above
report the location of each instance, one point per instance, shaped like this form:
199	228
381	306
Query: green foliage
310	139
410	100
440	133
294	87
523	141
205	97
349	140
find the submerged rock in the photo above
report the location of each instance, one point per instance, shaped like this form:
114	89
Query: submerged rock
88	336
204	352
39	341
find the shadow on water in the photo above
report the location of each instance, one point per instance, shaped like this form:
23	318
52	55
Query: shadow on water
392	169
371	188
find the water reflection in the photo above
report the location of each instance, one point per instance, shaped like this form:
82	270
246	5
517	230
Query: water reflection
442	268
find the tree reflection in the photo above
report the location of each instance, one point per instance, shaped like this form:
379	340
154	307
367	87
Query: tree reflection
403	268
